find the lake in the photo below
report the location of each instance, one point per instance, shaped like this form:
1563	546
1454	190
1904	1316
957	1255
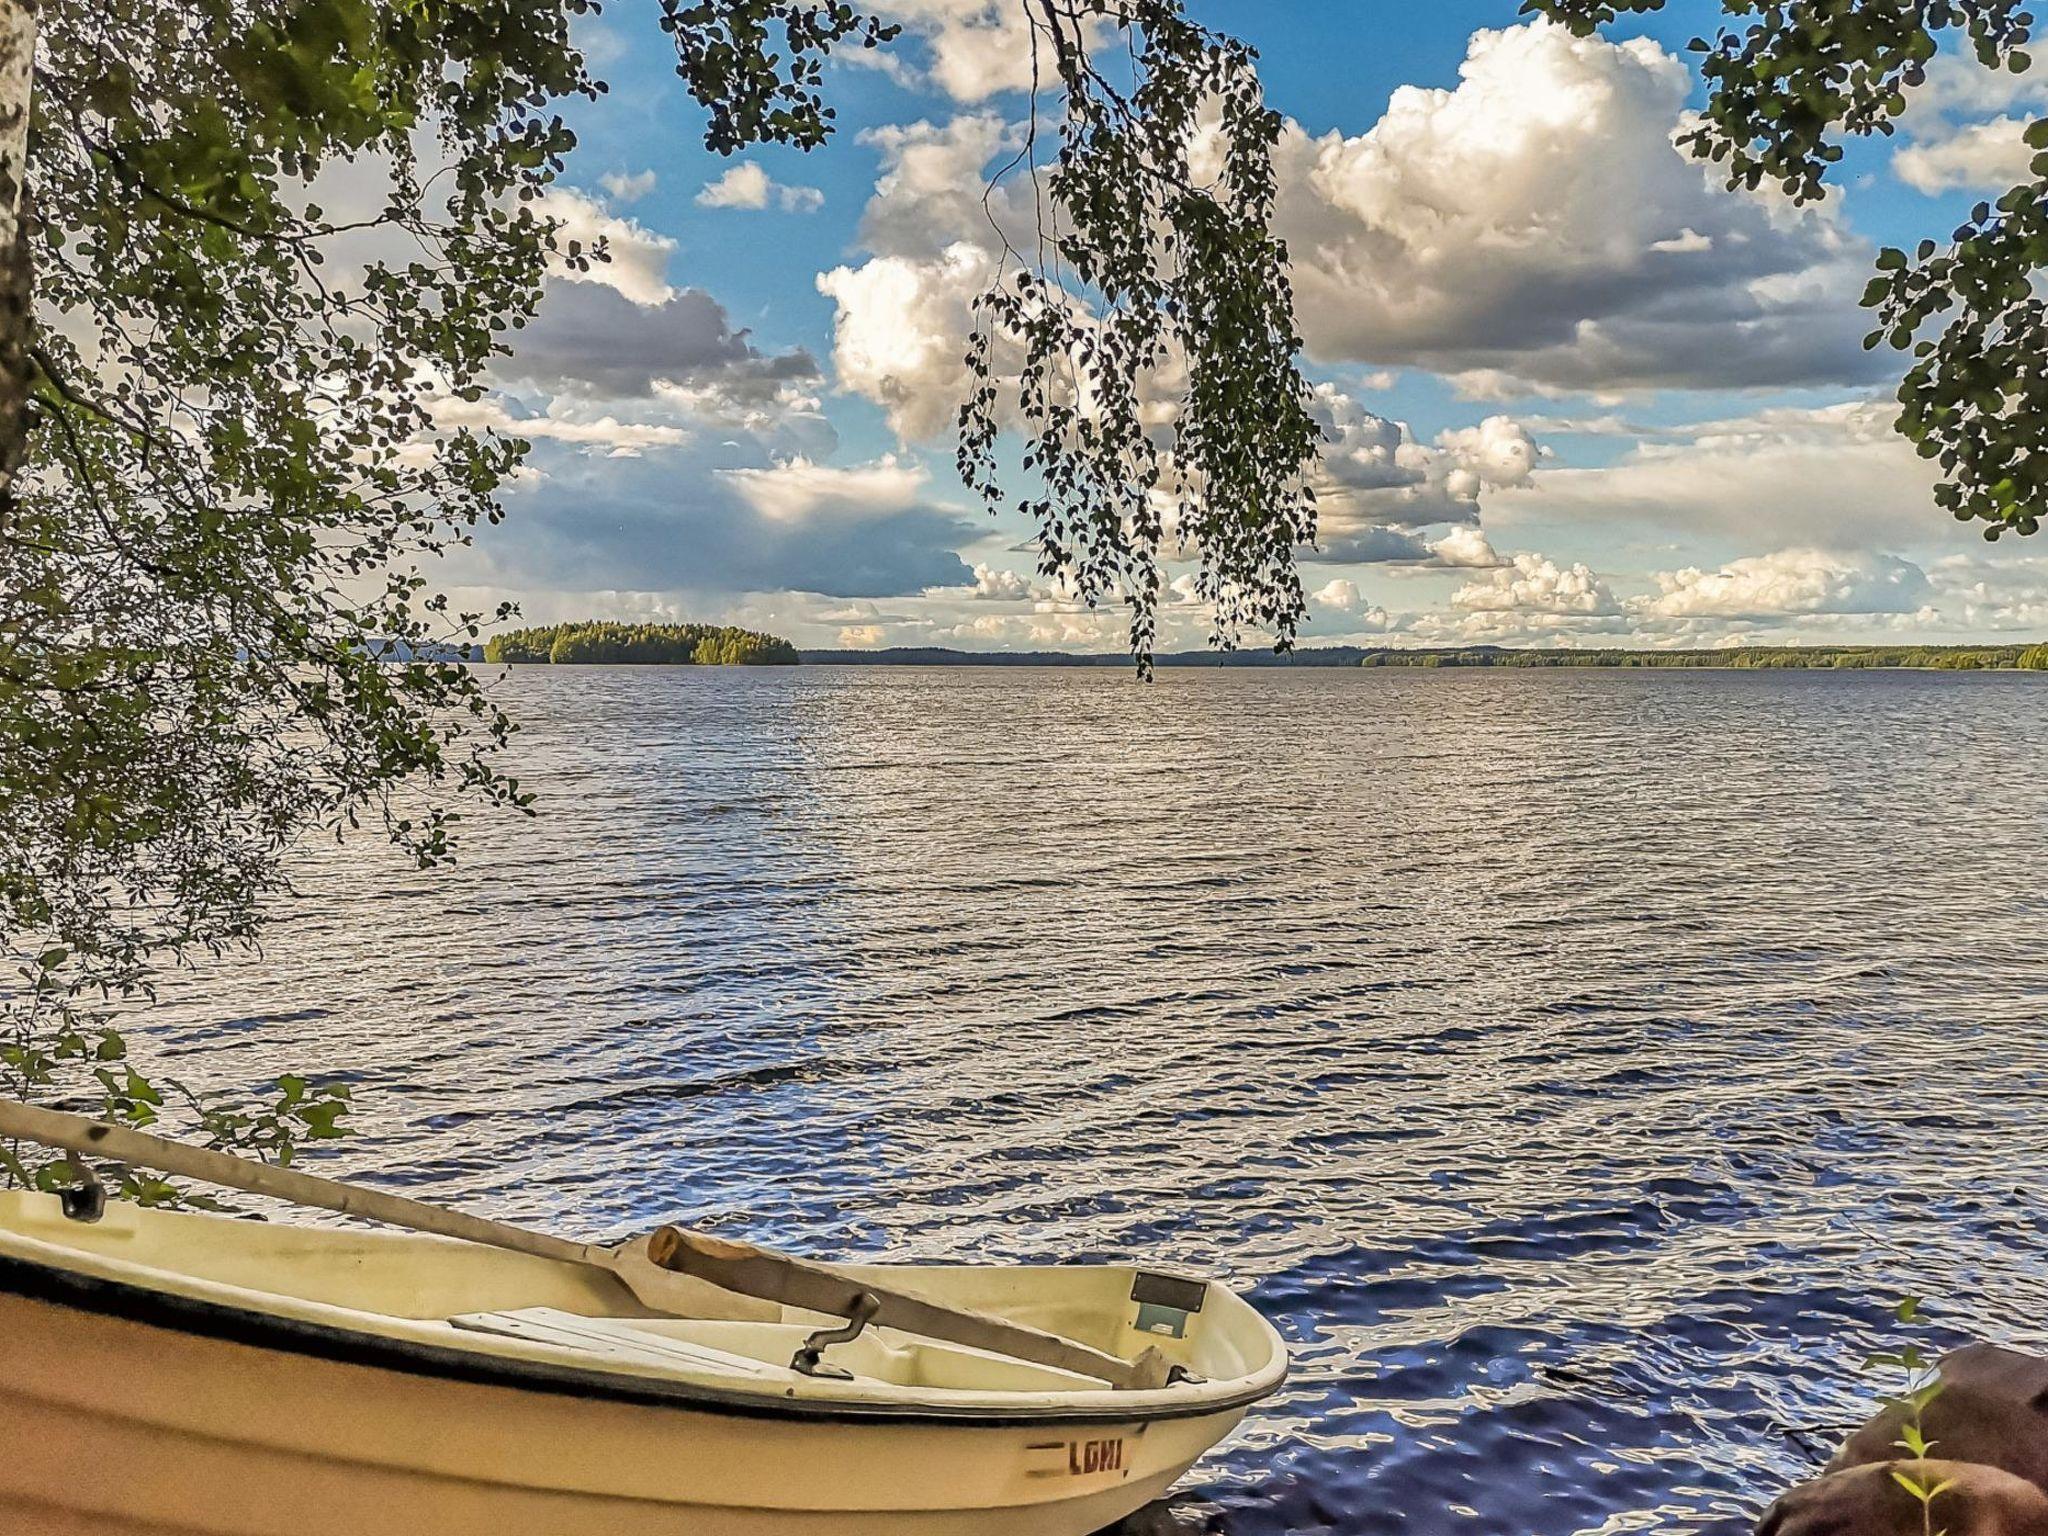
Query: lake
1575	1065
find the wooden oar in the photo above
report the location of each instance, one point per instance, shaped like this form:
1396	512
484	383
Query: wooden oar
753	1271
652	1268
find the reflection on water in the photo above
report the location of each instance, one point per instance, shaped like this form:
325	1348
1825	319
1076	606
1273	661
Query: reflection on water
1573	1064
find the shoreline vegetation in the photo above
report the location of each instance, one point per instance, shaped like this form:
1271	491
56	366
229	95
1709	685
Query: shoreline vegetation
1933	658
600	643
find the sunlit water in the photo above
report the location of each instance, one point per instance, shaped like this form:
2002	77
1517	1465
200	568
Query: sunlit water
1574	1065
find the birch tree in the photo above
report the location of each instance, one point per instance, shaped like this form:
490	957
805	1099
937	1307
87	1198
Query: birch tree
218	631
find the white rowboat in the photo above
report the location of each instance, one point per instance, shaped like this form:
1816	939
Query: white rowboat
170	1374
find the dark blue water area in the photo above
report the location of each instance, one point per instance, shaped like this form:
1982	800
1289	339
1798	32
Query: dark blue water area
1575	1066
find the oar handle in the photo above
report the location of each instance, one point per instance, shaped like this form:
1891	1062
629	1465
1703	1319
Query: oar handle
95	1138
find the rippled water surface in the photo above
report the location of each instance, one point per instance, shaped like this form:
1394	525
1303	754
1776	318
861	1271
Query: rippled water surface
1573	1064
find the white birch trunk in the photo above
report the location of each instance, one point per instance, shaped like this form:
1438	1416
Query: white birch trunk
17	73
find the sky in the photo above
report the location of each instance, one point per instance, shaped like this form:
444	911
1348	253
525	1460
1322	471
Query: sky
1576	393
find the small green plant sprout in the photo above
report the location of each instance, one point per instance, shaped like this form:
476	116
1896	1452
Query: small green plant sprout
1922	1385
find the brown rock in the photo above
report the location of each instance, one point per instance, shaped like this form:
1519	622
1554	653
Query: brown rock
1992	1409
1868	1500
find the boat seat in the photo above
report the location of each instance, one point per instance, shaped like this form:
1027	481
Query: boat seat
612	1339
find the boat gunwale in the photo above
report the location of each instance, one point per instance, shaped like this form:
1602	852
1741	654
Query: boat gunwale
253	1327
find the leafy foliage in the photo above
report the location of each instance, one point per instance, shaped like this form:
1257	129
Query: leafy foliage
270	239
726	51
53	1049
234	469
1784	89
1155	344
648	644
214	631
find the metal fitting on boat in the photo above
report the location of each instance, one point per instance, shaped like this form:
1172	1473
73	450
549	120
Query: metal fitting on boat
809	1359
87	1199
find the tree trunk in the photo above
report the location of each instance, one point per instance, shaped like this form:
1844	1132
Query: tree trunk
17	72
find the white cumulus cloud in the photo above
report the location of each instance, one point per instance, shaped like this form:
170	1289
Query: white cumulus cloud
899	334
1834	476
1987	156
1340	594
1378	484
800	491
994	585
1465	548
746	185
638	264
1961	129
623	187
978	47
1791	582
1536	584
1535	228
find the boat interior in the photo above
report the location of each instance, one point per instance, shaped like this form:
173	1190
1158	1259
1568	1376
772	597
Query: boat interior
506	1304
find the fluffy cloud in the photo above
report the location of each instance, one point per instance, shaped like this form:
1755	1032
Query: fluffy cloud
992	584
1835	477
932	189
1998	590
622	187
800	491
1960	130
977	47
1798	594
683	521
746	185
1339	594
1465	549
1986	156
637	267
1791	582
596	340
899	335
1053	628
903	315
1361	619
1536	229
1532	584
619	439
1377	484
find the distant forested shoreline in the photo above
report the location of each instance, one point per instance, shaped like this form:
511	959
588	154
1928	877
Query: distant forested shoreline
601	643
604	643
1936	658
1939	658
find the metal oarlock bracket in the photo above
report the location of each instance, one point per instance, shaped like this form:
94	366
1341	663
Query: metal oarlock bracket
808	1361
87	1199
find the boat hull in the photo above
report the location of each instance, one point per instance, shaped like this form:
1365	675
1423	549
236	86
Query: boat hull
114	1423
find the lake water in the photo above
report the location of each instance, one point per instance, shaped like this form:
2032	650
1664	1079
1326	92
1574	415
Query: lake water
1575	1065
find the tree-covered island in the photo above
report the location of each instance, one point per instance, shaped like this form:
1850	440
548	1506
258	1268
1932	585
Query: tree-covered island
607	644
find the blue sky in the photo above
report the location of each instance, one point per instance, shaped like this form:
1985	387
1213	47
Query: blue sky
1577	393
